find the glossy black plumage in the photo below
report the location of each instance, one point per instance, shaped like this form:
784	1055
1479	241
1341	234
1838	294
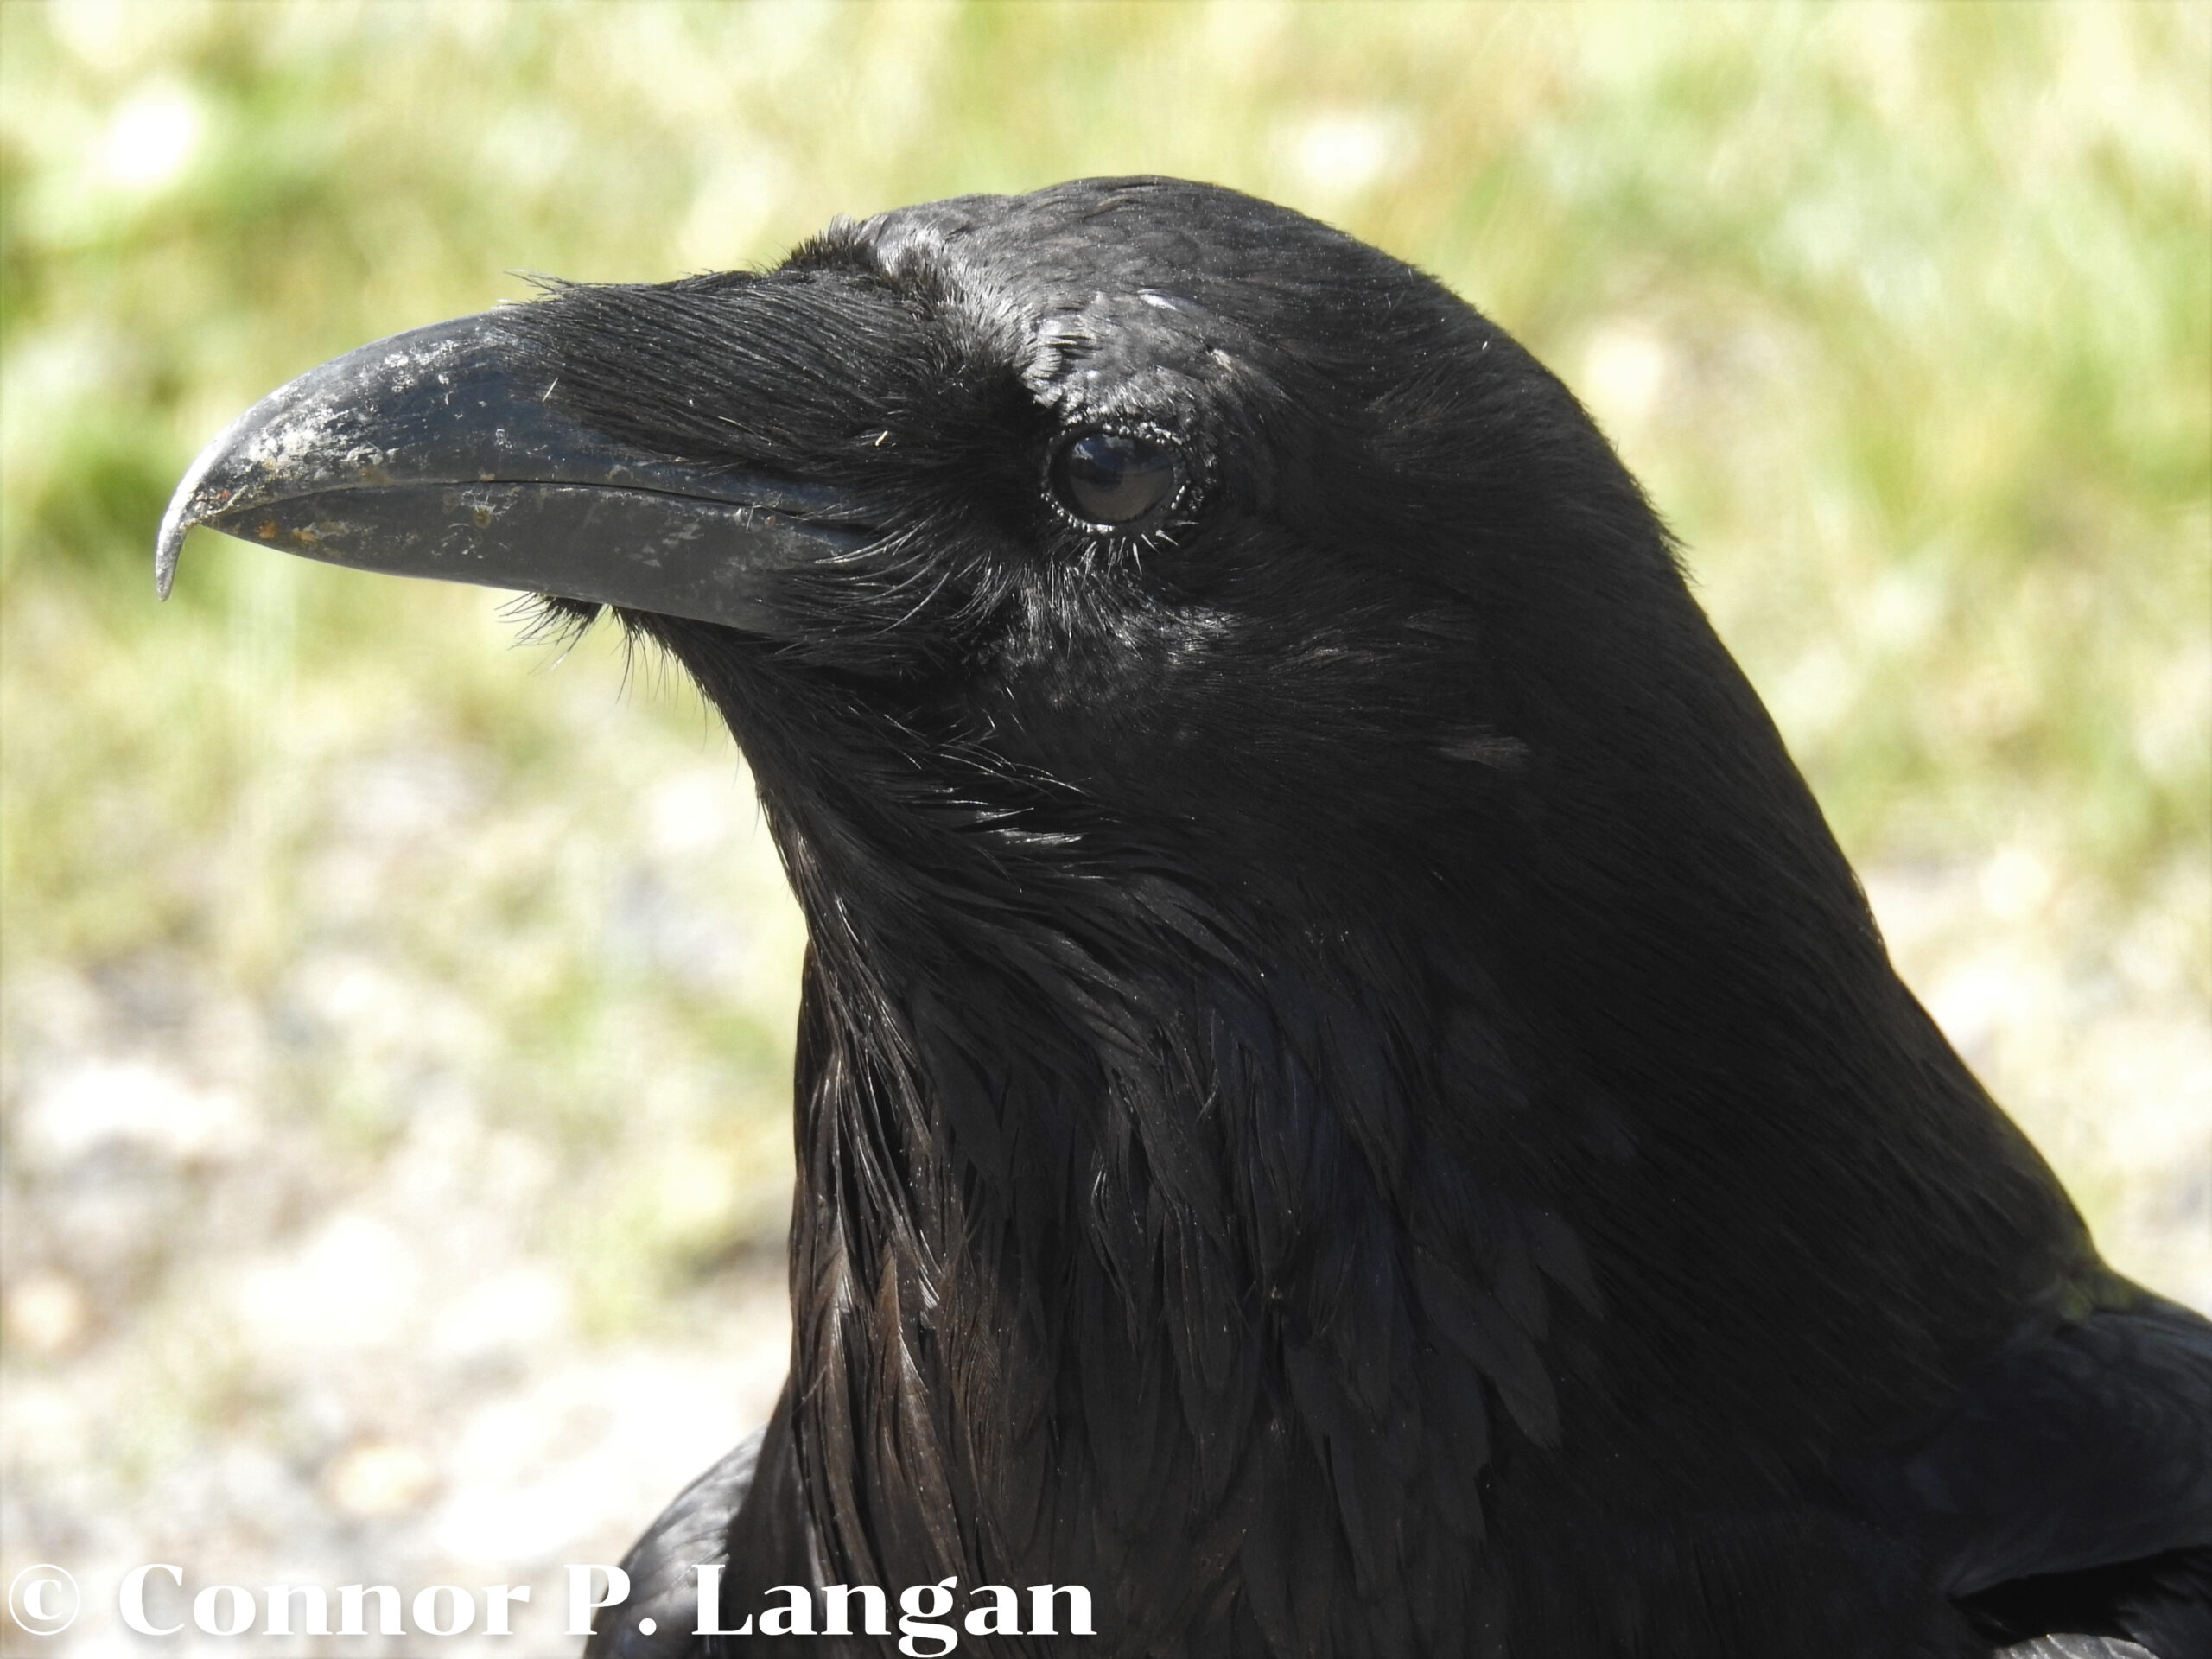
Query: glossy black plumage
1347	1098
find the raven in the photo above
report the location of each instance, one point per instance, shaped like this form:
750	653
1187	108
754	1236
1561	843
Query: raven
1347	1100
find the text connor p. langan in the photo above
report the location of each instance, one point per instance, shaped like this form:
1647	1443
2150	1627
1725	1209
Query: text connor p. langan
929	1627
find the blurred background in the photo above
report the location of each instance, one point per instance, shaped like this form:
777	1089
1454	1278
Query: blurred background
396	1012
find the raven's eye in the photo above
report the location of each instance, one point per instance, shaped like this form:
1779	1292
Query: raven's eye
1115	478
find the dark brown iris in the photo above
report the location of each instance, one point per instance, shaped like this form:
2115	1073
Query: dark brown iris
1116	478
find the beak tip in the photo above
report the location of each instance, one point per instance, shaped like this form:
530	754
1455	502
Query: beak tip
170	542
198	497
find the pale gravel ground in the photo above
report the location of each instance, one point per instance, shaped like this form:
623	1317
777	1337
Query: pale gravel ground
268	1358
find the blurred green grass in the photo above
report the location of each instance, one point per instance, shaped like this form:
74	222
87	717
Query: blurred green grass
1904	313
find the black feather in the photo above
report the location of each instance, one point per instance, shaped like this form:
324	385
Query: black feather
1327	1197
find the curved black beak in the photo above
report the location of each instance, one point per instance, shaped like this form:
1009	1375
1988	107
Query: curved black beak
437	453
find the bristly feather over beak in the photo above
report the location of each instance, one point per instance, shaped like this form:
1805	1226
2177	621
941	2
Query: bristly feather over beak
439	453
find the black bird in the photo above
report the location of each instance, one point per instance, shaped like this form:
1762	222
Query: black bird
1347	1101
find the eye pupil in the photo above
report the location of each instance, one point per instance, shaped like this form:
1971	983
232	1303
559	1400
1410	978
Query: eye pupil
1114	478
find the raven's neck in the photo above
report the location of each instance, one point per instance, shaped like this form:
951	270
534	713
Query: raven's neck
1120	1258
1143	1243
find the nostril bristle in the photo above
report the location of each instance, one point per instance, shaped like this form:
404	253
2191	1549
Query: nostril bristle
549	618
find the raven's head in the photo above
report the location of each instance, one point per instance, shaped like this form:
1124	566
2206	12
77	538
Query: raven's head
1135	517
1290	870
